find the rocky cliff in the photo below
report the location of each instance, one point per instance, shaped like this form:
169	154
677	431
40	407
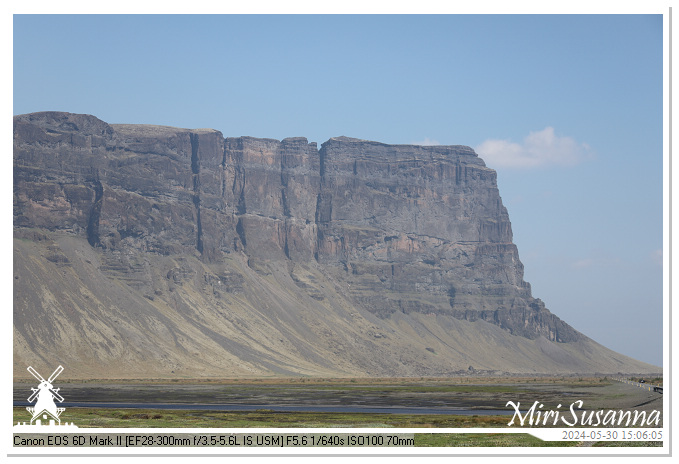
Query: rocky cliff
155	251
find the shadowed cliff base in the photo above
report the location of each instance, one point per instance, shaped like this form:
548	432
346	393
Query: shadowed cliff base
166	252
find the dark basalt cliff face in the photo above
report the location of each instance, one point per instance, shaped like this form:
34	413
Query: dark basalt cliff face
170	250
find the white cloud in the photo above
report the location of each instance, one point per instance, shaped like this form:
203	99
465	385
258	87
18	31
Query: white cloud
427	141
583	263
598	259
656	256
542	148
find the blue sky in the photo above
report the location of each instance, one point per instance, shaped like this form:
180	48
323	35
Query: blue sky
567	108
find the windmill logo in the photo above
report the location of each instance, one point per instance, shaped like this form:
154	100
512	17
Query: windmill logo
45	408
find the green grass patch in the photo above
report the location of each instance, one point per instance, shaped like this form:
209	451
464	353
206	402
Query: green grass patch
90	418
485	440
157	418
628	444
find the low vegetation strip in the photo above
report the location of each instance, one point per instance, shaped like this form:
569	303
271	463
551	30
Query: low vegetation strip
93	419
155	418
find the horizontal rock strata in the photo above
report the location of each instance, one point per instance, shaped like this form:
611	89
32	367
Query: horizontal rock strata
347	251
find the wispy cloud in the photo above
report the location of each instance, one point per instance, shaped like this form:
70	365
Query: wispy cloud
542	148
583	263
598	259
427	141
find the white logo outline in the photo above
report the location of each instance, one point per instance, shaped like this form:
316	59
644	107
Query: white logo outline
45	407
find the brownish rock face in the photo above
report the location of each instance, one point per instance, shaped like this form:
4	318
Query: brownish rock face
373	235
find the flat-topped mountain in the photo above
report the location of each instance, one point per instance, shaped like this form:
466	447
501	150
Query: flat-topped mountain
153	251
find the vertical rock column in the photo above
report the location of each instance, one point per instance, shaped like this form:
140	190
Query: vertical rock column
195	170
95	213
215	229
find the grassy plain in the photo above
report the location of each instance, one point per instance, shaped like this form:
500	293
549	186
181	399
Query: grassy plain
475	393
